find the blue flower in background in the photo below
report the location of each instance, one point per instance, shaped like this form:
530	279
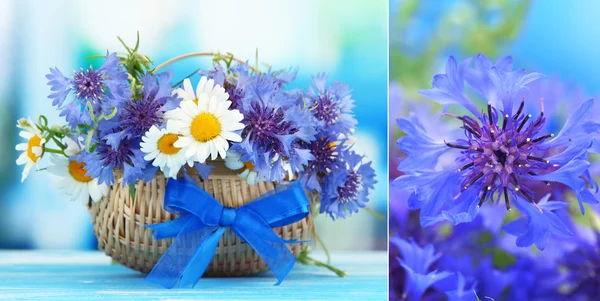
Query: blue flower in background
346	189
416	262
503	153
103	88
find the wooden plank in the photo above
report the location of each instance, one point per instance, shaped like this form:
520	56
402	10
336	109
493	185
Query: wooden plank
56	275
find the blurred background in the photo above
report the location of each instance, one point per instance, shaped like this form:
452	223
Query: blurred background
557	38
346	39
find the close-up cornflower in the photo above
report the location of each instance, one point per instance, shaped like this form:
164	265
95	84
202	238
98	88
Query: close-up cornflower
104	88
499	151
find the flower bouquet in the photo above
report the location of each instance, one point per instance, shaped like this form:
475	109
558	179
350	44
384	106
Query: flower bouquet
217	179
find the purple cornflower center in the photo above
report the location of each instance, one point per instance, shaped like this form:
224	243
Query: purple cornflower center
351	187
323	150
266	126
89	84
115	158
139	116
501	152
235	94
326	109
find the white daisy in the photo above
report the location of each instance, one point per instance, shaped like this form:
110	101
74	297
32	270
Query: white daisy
205	86
206	127
73	179
158	144
33	149
233	161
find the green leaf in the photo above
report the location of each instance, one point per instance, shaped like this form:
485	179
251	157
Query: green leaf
132	190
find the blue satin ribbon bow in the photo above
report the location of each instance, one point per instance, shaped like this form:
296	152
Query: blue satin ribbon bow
204	220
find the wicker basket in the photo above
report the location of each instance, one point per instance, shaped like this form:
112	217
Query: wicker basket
118	224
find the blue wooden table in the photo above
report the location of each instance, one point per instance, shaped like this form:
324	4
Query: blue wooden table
73	275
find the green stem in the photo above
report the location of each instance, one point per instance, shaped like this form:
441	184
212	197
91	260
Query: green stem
124	45
181	81
54	151
322	244
62	146
375	213
213	54
305	259
95	57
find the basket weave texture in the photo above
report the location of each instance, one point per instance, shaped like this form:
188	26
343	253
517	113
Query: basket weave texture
118	224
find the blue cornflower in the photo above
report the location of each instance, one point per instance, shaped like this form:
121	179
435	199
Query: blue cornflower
324	150
102	162
136	117
331	107
275	129
502	153
346	189
103	88
416	262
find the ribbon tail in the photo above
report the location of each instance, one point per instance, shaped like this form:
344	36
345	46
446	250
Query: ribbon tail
201	259
271	248
177	259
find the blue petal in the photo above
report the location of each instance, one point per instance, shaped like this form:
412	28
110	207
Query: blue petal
114	139
432	191
576	127
59	85
538	226
460	294
204	170
568	174
413	256
507	84
449	88
422	150
585	196
575	149
478	78
464	209
417	284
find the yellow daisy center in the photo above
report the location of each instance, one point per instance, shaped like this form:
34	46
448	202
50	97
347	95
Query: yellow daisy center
165	144
77	171
205	127
249	165
35	141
